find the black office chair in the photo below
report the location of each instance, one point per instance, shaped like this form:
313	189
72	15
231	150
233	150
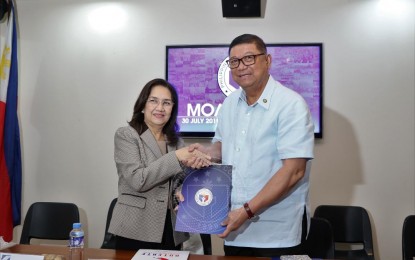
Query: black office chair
320	243
109	239
49	220
351	225
408	238
207	244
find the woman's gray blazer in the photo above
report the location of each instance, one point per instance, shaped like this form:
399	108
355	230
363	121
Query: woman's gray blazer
144	186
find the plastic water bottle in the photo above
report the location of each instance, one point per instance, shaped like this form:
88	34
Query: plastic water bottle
76	242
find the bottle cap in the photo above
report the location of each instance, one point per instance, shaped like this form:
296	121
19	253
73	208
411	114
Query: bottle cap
76	225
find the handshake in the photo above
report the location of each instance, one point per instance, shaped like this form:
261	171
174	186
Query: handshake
197	156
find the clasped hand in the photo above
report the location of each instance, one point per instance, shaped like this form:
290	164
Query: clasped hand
194	156
199	158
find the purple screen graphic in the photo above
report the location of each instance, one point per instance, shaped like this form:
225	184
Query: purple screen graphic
201	78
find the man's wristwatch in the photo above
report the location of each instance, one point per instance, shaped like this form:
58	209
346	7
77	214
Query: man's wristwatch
251	215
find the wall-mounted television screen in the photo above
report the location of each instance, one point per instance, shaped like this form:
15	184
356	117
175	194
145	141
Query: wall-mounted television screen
203	80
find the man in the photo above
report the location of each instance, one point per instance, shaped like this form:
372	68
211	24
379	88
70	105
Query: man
265	131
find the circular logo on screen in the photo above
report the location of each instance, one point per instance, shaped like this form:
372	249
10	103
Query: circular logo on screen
224	78
203	197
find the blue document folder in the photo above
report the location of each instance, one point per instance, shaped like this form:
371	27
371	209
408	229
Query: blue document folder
207	193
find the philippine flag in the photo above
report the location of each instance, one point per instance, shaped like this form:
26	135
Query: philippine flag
10	156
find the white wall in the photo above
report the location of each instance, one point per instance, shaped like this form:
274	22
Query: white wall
77	85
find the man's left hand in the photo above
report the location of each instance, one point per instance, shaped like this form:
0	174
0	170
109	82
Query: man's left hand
234	220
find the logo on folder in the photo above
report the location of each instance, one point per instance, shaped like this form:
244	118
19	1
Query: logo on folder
203	197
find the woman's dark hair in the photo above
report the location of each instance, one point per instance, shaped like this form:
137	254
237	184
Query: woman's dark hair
137	121
249	38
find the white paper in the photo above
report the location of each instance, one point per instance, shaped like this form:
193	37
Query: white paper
12	256
146	254
295	257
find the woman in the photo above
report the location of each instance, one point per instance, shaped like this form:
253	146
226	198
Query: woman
147	154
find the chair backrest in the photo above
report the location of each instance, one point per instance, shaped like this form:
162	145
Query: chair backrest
49	220
320	243
350	224
207	244
109	241
408	238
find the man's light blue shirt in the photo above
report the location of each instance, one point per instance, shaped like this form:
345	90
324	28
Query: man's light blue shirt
255	139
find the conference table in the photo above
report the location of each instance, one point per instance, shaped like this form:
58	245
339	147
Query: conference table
101	254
